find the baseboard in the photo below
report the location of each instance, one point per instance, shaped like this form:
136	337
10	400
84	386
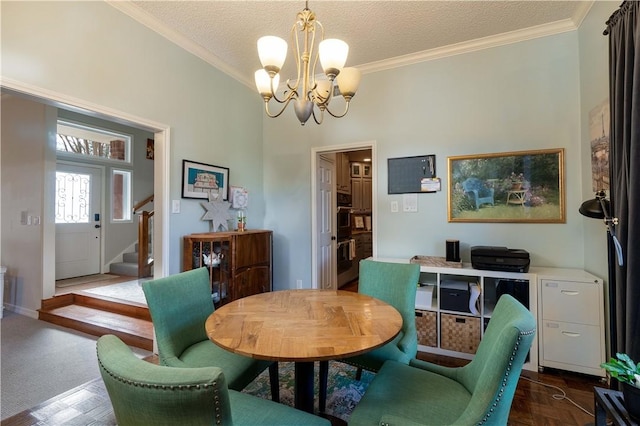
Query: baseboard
20	310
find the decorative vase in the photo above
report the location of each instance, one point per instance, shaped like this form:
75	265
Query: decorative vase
631	396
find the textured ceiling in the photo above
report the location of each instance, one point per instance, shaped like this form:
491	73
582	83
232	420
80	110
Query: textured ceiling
380	34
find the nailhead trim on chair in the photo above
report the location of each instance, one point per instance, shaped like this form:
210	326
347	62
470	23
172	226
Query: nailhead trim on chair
506	376
216	397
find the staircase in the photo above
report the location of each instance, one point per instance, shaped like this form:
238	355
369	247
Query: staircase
99	315
129	265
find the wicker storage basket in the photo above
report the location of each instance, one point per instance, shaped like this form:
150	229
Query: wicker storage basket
427	326
459	333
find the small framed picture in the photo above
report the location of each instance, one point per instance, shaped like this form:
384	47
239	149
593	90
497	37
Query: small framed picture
150	149
200	180
358	222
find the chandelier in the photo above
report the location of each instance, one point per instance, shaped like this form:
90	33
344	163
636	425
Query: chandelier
310	96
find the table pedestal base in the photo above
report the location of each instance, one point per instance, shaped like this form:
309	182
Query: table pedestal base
303	390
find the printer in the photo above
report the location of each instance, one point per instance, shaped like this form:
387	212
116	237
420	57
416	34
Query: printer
494	258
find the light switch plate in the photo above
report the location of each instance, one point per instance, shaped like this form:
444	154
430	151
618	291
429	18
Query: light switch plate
410	203
394	207
175	206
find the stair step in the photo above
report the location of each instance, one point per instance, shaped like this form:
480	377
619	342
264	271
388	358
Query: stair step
124	268
99	315
130	257
111	304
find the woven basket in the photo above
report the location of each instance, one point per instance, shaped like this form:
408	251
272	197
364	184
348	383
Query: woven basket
459	333
426	324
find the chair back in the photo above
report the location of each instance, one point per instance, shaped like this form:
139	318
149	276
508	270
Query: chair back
179	306
143	393
492	376
396	284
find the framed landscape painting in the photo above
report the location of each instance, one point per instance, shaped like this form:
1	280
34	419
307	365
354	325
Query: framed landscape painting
522	186
200	180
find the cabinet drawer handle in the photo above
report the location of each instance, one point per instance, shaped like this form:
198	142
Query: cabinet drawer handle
569	292
571	334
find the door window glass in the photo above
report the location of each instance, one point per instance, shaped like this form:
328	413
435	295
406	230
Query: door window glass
73	196
75	139
121	196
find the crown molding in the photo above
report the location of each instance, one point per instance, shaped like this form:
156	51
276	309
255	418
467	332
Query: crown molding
489	42
471	46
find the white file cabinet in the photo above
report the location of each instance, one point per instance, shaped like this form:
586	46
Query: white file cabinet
571	321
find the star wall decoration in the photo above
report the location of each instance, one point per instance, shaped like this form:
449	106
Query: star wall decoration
217	211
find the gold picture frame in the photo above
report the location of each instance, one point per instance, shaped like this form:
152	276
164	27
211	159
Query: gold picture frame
510	187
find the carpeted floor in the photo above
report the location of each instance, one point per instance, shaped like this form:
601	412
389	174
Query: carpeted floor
41	360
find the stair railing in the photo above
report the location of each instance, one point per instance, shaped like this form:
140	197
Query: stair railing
145	237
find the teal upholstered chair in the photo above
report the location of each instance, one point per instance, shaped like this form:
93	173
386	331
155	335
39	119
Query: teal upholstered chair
179	306
143	393
481	392
396	284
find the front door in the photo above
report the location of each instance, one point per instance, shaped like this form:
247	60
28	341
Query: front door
78	220
327	276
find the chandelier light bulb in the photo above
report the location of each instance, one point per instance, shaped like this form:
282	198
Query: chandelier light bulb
322	91
272	52
333	55
263	83
348	81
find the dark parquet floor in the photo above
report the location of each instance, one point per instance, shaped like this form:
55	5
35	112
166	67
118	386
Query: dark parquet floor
533	404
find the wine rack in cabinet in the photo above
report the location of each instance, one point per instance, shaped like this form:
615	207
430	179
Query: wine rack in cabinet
239	262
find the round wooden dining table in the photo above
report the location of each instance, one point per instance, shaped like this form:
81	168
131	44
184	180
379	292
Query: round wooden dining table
303	326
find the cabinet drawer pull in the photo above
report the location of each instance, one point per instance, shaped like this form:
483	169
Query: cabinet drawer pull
571	334
570	292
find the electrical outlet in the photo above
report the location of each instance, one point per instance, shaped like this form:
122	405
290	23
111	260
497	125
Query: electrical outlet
299	284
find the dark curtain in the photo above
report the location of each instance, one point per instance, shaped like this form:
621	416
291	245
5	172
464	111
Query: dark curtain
624	163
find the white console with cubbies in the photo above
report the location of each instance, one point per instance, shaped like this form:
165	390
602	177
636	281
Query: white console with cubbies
567	303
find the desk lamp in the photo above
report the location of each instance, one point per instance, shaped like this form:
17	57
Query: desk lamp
599	208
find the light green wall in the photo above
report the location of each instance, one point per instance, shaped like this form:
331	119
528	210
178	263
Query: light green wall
95	53
28	165
594	89
522	96
510	98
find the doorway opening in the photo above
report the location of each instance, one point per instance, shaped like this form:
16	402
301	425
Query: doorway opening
343	212
160	180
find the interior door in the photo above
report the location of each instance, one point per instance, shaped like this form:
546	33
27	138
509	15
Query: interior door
327	275
78	220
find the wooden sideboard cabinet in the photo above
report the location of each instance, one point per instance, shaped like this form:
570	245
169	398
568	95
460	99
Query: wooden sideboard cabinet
239	262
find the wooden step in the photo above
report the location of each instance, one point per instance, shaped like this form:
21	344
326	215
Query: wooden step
98	315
